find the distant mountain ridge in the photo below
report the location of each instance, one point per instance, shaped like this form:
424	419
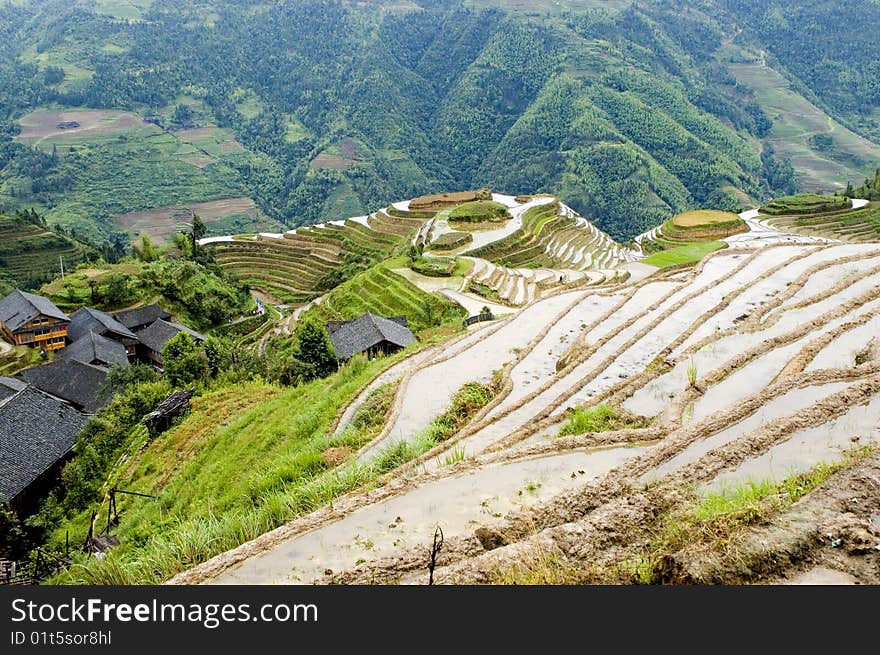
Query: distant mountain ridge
629	113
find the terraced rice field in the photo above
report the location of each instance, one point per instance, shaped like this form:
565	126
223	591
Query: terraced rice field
294	266
795	121
543	247
380	290
28	251
552	235
689	237
859	224
759	364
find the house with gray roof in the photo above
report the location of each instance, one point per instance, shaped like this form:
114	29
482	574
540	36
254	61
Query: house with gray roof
97	350
86	319
9	387
37	433
82	385
141	317
370	334
154	338
27	319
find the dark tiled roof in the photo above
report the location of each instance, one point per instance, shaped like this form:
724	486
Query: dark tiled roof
86	319
161	332
367	331
93	348
141	316
82	385
9	387
35	432
171	405
19	307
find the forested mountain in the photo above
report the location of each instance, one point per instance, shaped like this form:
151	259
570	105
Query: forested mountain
321	109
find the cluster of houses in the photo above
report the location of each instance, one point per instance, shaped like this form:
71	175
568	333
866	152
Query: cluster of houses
43	408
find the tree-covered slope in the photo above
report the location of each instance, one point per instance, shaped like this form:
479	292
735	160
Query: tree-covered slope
629	112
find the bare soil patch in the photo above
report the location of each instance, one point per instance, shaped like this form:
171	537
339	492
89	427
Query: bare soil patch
332	162
162	222
446	200
42	124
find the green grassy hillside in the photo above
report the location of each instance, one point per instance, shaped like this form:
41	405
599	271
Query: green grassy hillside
242	463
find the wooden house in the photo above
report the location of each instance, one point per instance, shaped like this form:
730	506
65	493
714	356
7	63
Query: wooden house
371	334
27	319
37	433
154	338
85	320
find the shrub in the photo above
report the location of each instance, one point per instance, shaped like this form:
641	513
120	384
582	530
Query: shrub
184	360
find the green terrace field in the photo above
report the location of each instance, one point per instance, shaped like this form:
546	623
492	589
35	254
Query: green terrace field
451	241
701	225
805	203
479	211
857	225
690	236
383	292
305	264
525	246
686	254
549	240
31	253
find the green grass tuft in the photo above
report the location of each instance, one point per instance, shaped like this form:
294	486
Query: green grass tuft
600	418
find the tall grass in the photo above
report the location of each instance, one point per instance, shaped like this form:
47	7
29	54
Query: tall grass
714	518
221	498
692	374
601	418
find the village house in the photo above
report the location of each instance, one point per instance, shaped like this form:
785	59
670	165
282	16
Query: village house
37	433
9	387
81	385
30	320
370	334
160	332
85	320
141	317
97	350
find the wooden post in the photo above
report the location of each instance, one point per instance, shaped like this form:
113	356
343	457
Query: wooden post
109	507
435	550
